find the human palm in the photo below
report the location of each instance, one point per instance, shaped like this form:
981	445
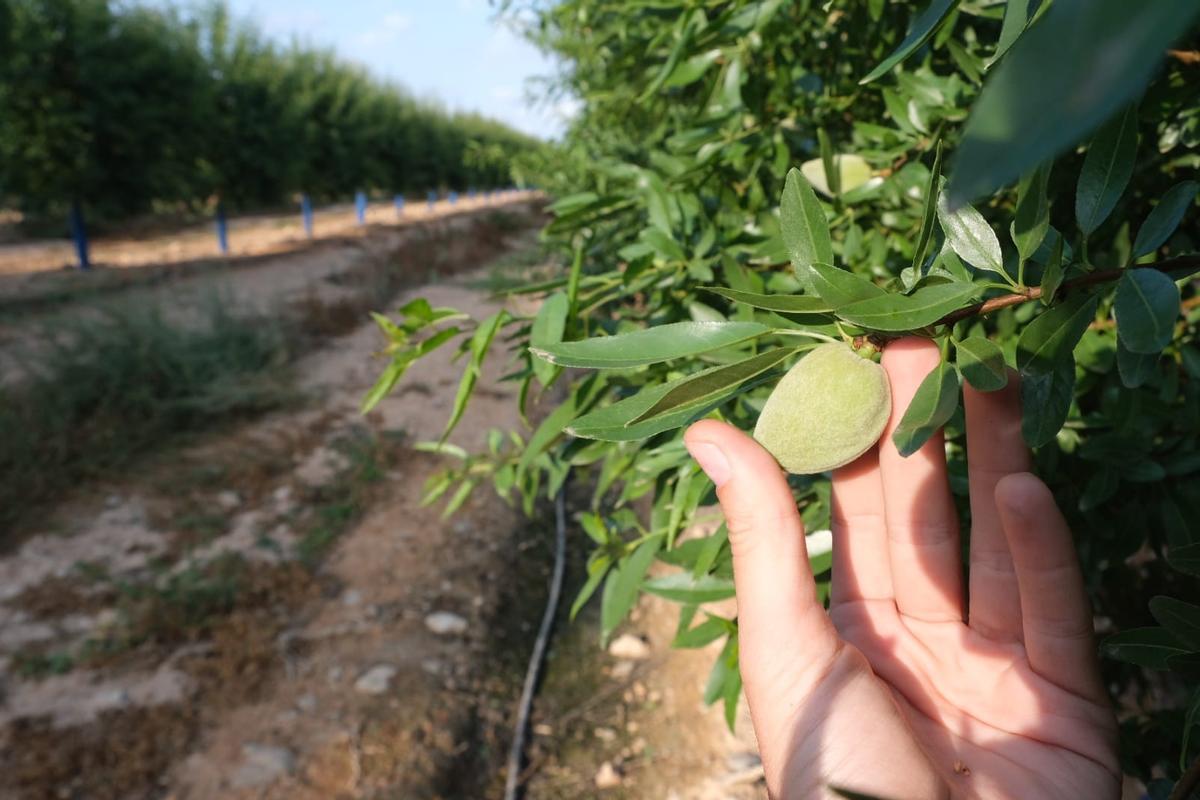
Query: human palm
899	692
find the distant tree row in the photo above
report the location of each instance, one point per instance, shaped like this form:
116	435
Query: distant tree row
127	110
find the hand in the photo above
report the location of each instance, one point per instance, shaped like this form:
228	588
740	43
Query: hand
903	691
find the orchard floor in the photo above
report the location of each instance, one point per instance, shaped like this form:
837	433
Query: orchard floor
264	610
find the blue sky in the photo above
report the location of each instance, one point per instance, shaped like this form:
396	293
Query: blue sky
452	50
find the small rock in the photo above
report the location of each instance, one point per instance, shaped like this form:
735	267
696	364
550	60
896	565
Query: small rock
607	776
376	680
622	670
629	648
335	674
113	500
432	666
740	762
228	500
632	727
307	703
352	597
542	729
446	623
605	734
261	765
284	504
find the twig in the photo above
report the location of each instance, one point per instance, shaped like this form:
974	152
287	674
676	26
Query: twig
1185	56
1035	292
512	781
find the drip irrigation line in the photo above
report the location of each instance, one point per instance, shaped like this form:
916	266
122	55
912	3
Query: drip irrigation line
512	784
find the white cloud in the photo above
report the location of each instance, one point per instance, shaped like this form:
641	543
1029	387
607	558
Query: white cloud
387	32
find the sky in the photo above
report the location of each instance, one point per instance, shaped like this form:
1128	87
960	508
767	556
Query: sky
451	50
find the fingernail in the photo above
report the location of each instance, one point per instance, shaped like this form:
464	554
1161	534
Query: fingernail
711	460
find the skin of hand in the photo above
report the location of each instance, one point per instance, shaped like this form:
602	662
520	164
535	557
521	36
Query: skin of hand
902	691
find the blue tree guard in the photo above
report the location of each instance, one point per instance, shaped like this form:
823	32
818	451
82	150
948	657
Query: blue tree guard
79	236
432	197
360	207
306	213
452	197
222	230
399	200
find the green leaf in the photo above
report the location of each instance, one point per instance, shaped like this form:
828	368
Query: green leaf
1052	275
621	588
1032	219
803	226
547	329
597	568
830	173
481	341
1072	70
1146	647
1146	308
710	384
981	362
781	303
922	28
1180	618
1165	218
547	431
932	406
611	423
897	312
1189	724
838	287
1106	170
970	236
1016	17
1134	368
1046	401
652	345
706	632
1185	558
932	192
1051	337
683	587
693	69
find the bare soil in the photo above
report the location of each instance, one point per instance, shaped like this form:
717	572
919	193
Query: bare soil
253	613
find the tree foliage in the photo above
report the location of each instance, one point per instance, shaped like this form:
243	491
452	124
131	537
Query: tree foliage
128	109
1014	180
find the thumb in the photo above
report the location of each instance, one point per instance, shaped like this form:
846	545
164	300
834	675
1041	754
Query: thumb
782	626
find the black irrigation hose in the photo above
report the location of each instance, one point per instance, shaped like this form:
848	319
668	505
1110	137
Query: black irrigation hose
512	783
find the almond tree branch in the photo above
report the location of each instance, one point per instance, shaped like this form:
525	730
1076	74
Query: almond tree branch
1091	279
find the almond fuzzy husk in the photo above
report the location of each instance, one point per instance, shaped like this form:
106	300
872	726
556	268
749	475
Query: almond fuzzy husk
828	410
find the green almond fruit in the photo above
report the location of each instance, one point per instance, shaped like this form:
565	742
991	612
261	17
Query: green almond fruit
826	411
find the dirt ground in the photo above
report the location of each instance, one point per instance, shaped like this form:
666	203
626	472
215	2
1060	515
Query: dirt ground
266	611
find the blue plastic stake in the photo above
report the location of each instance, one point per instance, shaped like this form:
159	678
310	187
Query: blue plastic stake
453	198
307	213
222	230
79	235
432	199
360	207
399	205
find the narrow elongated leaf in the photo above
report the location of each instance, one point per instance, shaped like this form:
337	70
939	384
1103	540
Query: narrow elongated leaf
1052	275
1106	171
897	312
1146	307
922	28
837	287
1146	647
981	362
1032	219
1051	338
932	192
931	408
621	588
1180	618
782	303
481	342
683	587
970	236
597	569
803	225
1071	71
1046	401
1185	558
1016	17
1134	368
713	383
1165	218
649	346
706	632
1190	721
547	329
